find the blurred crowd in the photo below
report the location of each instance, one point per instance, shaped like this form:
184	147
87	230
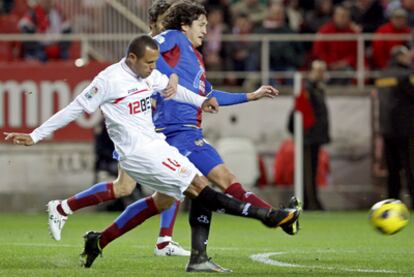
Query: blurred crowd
299	17
244	17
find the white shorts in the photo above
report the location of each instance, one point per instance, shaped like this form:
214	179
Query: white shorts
160	167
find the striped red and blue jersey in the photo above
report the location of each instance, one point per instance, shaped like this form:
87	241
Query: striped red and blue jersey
179	56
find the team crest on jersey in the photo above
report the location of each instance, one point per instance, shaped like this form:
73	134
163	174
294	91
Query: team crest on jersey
184	172
91	93
160	39
199	142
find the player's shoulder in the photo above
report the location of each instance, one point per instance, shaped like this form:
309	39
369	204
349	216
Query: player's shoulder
109	75
169	35
114	71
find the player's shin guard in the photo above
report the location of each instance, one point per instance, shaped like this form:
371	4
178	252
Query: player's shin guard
134	214
217	201
200	220
237	191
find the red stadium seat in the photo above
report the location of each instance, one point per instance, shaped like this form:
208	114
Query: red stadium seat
283	166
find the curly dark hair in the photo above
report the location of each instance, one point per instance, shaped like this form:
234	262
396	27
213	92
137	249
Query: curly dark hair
158	8
182	13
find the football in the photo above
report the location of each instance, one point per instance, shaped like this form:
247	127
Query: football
389	216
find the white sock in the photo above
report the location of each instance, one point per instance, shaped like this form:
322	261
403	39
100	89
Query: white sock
164	239
65	207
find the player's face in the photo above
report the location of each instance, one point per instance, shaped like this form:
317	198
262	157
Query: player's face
197	31
144	65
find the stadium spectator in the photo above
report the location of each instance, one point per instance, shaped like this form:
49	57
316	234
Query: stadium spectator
407	5
253	8
368	14
316	133
338	55
6	6
381	49
224	7
284	55
240	51
213	48
395	90
315	136
294	15
45	17
318	16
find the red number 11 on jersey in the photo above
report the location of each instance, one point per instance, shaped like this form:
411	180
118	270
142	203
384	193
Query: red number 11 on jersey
171	164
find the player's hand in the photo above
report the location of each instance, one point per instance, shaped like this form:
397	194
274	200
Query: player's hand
171	89
19	138
210	105
263	91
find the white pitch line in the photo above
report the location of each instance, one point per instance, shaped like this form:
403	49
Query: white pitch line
265	258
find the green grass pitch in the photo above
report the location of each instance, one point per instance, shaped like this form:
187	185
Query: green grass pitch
329	244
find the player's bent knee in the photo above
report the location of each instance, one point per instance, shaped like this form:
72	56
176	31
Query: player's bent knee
124	185
162	201
196	186
222	177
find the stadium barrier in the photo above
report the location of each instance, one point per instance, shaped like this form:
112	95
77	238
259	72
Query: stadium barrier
115	45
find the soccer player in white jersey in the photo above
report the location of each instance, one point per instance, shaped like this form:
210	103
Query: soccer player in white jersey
122	92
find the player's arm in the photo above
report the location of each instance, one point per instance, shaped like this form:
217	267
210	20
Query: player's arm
88	101
171	88
186	96
227	98
160	82
57	121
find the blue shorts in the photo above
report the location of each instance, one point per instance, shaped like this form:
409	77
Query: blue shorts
192	144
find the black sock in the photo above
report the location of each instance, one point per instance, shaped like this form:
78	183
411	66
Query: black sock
217	201
200	220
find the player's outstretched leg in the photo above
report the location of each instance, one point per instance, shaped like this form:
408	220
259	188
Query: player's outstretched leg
200	220
58	211
237	191
273	218
223	177
208	200
165	245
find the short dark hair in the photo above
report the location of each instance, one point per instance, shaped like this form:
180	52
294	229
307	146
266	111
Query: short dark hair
183	13
138	44
158	8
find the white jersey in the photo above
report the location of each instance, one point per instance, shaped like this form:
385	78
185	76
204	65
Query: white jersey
125	101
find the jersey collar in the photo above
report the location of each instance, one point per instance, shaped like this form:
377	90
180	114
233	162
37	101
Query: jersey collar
127	69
